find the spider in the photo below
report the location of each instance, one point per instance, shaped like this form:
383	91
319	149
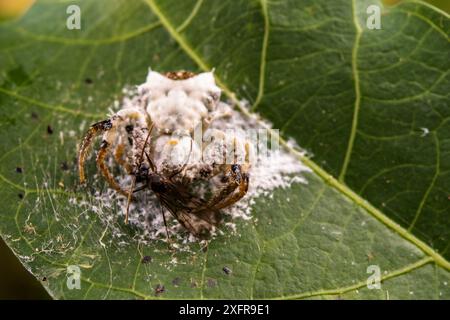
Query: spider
159	123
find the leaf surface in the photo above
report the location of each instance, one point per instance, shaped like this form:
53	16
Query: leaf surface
370	106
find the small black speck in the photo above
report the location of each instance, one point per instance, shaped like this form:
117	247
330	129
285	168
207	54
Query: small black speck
104	144
146	259
64	166
205	172
19	170
159	289
176	282
20	196
106	124
49	129
130	141
88	81
34	116
227	270
129	128
44	279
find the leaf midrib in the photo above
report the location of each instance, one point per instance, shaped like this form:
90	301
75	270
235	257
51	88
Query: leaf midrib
325	176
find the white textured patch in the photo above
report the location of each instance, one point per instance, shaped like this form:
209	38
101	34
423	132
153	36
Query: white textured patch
276	169
179	105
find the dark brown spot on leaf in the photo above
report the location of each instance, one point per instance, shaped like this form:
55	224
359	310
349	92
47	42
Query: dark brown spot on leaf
226	270
159	289
64	166
34	116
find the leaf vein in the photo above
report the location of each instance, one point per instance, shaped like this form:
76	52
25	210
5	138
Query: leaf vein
318	170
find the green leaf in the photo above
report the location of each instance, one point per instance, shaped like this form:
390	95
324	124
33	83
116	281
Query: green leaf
371	106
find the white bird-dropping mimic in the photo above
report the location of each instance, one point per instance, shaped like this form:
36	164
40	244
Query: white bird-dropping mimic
180	105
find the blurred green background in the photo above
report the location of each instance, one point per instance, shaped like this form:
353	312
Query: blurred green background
15	281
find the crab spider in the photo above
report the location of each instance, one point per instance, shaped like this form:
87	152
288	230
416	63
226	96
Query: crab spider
174	103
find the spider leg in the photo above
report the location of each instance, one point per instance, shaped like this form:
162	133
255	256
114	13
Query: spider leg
237	182
238	179
103	127
119	152
140	188
241	178
109	129
242	191
150	161
102	153
94	130
100	127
